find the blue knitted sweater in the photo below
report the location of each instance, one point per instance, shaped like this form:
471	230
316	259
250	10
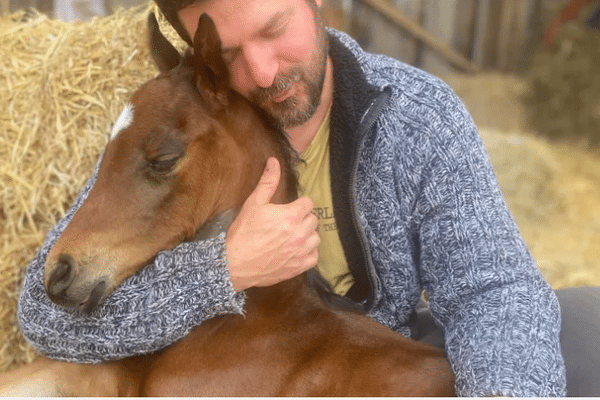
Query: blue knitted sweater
428	215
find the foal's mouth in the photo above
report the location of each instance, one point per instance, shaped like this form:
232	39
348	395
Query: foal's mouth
85	306
96	295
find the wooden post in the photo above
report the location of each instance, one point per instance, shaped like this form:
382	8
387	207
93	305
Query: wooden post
524	10
408	47
45	6
486	42
419	46
502	33
10	6
382	36
439	20
505	35
466	24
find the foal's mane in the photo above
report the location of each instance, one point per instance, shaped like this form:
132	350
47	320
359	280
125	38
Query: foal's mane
289	156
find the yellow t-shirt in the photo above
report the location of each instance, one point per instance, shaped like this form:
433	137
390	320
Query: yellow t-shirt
315	182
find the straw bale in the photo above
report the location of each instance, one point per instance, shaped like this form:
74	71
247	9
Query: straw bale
62	85
565	86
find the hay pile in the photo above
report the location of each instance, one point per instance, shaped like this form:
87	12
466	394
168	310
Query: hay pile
552	188
62	86
565	86
493	99
553	191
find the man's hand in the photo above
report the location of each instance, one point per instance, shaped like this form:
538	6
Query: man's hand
269	243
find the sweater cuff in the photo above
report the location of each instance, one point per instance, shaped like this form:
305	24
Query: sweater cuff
155	307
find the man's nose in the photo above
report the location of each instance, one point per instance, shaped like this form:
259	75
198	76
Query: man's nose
261	64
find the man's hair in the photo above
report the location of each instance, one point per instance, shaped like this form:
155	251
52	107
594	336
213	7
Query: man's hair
169	8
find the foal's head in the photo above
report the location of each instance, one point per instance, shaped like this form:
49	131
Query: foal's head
184	149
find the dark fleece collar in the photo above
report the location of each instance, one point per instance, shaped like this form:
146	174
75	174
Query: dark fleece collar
351	98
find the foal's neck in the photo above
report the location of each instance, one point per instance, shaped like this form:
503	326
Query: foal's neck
282	297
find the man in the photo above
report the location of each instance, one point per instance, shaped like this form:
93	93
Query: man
405	194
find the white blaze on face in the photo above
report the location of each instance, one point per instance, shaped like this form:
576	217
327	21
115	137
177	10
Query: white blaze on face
124	120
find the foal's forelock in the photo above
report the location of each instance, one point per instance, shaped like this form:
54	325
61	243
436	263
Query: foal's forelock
123	121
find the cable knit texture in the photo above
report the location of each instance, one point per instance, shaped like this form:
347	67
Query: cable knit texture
434	217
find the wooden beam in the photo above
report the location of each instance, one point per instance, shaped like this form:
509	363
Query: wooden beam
406	46
505	36
394	15
466	23
439	20
45	6
490	33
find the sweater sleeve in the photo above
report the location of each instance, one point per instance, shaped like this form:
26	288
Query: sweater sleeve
501	319
157	306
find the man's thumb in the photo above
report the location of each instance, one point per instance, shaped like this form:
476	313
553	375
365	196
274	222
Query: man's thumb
267	185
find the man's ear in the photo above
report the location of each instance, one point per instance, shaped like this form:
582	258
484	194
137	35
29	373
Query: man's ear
165	55
211	71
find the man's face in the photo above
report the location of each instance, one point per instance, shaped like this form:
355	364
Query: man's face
276	51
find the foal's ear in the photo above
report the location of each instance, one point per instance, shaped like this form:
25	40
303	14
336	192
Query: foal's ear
165	55
211	71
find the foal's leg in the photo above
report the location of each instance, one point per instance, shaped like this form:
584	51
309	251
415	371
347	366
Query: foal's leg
47	378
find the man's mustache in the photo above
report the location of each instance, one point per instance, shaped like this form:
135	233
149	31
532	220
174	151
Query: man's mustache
280	84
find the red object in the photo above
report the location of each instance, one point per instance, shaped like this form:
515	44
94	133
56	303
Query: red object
568	13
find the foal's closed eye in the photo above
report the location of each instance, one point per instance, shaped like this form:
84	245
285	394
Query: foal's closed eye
164	164
163	148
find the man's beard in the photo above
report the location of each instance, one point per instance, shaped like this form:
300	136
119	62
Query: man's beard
292	111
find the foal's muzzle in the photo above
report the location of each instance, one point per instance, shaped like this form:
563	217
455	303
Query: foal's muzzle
66	290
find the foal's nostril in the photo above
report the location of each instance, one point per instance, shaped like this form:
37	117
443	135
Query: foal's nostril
62	276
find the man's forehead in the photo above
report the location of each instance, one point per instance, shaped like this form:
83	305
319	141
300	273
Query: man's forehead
270	22
233	17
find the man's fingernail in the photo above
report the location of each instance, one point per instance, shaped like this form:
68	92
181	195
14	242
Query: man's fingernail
269	165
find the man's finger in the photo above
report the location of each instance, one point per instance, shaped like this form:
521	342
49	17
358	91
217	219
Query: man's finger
267	185
299	209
